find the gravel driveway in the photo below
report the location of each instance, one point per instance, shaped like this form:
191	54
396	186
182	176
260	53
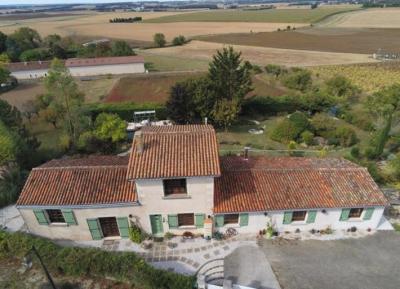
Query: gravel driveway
368	263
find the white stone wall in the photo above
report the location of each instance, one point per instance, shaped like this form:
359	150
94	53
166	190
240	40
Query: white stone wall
81	230
30	74
258	221
86	70
107	69
200	199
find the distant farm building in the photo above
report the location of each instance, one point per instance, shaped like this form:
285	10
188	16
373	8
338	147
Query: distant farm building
386	55
80	67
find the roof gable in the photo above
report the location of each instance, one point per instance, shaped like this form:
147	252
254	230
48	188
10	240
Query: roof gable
77	182
174	151
263	184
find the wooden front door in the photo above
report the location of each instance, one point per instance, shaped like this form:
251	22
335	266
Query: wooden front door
109	227
156	224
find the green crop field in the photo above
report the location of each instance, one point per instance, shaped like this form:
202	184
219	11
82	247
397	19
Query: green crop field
272	15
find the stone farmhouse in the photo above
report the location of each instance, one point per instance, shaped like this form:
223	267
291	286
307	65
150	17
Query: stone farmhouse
175	181
80	67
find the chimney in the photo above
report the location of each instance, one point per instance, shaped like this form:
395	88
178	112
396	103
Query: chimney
205	120
139	142
246	153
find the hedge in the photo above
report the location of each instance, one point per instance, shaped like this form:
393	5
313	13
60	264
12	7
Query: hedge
92	262
125	110
262	105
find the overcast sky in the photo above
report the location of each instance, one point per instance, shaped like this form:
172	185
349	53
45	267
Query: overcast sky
14	2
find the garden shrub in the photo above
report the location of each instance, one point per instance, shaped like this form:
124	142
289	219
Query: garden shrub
346	136
290	128
135	234
299	79
92	262
307	137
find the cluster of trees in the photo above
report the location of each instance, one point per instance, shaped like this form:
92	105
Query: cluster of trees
62	106
25	44
17	153
218	96
160	41
114	48
126	20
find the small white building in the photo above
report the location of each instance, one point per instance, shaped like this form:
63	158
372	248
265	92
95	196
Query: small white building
80	67
175	181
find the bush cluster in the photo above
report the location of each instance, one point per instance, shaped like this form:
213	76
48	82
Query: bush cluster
93	262
126	20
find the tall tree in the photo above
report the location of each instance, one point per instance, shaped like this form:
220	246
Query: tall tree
385	106
121	48
159	40
180	105
3	40
66	97
229	77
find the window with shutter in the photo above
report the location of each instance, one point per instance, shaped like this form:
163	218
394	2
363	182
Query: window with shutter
368	214
173	221
344	216
219	220
355	212
55	216
311	216
244	219
231	219
200	220
41	217
185	220
123	226
69	217
287	217
94	229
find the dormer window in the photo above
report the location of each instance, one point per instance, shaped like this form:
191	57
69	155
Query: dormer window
175	187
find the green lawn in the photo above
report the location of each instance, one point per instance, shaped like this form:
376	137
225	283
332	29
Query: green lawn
272	15
48	136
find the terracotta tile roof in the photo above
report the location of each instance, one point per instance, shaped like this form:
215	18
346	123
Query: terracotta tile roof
77	62
29	65
263	184
74	182
174	151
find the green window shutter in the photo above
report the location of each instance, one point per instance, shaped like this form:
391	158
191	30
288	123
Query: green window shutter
41	217
219	220
199	219
368	214
69	217
94	229
244	219
311	217
123	226
173	221
287	217
344	216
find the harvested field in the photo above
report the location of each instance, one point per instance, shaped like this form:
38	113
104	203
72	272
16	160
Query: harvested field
95	90
156	87
263	55
370	18
343	40
270	15
24	92
97	25
146	88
